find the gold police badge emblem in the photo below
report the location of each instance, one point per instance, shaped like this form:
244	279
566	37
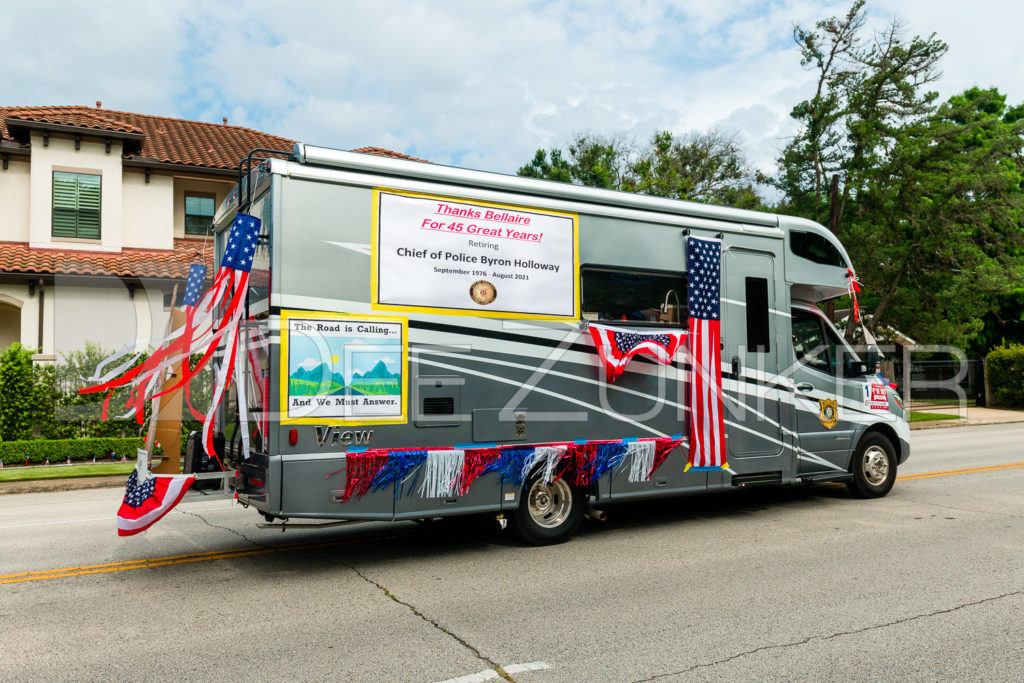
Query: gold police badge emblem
483	292
828	412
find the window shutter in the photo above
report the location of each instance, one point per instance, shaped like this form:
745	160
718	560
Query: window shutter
65	205
89	206
76	205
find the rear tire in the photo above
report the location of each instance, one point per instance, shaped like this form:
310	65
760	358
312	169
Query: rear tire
873	467
549	512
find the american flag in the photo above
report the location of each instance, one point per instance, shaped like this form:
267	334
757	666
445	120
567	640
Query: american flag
212	323
146	502
707	425
194	284
616	346
231	285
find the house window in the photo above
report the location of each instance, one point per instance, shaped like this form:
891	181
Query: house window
199	209
76	205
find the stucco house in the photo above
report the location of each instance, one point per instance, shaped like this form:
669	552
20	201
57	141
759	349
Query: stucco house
101	214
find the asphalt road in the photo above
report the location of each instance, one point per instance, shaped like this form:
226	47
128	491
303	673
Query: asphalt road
769	584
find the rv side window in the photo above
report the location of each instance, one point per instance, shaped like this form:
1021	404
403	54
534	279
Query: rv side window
814	247
758	339
633	296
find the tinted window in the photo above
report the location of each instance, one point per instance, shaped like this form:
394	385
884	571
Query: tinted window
815	247
811	345
758	339
633	296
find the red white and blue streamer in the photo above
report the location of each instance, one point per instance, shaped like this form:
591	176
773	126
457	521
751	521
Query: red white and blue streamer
445	472
212	325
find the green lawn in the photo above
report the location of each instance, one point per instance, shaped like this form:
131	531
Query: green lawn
918	416
66	471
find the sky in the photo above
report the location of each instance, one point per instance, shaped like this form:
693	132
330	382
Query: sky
478	84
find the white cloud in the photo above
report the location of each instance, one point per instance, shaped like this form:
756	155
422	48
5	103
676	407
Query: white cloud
463	82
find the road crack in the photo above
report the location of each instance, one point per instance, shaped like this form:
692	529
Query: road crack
412	608
228	529
382	588
832	636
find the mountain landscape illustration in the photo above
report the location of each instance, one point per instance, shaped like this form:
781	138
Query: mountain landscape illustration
378	371
321	373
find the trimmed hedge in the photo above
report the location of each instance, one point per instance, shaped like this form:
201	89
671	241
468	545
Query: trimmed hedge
1006	375
58	450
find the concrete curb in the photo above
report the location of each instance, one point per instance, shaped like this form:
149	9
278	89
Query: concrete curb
115	481
941	424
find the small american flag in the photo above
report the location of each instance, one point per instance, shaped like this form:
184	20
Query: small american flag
616	347
707	424
146	502
194	284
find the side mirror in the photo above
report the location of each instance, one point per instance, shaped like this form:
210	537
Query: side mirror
871	358
853	367
859	368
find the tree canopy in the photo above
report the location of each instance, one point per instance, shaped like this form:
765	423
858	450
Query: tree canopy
706	167
926	195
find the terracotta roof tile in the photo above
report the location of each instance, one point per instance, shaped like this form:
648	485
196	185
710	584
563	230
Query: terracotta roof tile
17	257
71	116
170	140
381	152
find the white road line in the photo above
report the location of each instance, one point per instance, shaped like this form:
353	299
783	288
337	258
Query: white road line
491	674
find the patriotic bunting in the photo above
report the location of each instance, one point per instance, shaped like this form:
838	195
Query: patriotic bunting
616	346
147	502
444	472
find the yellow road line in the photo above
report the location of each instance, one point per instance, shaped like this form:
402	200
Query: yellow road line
48	574
163	561
966	470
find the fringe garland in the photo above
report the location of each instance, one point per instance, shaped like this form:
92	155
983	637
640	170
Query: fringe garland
397	469
451	471
608	457
360	469
546	457
581	463
662	447
510	465
477	462
641	461
441	472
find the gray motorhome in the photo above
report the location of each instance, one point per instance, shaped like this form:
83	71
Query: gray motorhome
419	347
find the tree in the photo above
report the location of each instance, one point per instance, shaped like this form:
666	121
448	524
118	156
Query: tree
706	167
817	152
929	196
937	226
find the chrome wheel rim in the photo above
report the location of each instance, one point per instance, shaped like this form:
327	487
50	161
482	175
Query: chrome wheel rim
876	466
549	504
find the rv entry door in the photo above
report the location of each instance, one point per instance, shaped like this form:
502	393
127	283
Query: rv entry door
749	354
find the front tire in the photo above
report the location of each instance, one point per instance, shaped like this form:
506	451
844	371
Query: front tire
549	512
873	467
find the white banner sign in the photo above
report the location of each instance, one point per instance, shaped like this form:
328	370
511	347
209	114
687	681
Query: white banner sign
454	255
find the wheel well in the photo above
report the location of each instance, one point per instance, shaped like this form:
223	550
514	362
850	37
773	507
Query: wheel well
886	431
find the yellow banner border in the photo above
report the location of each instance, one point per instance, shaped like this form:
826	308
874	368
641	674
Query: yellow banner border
375	263
289	314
